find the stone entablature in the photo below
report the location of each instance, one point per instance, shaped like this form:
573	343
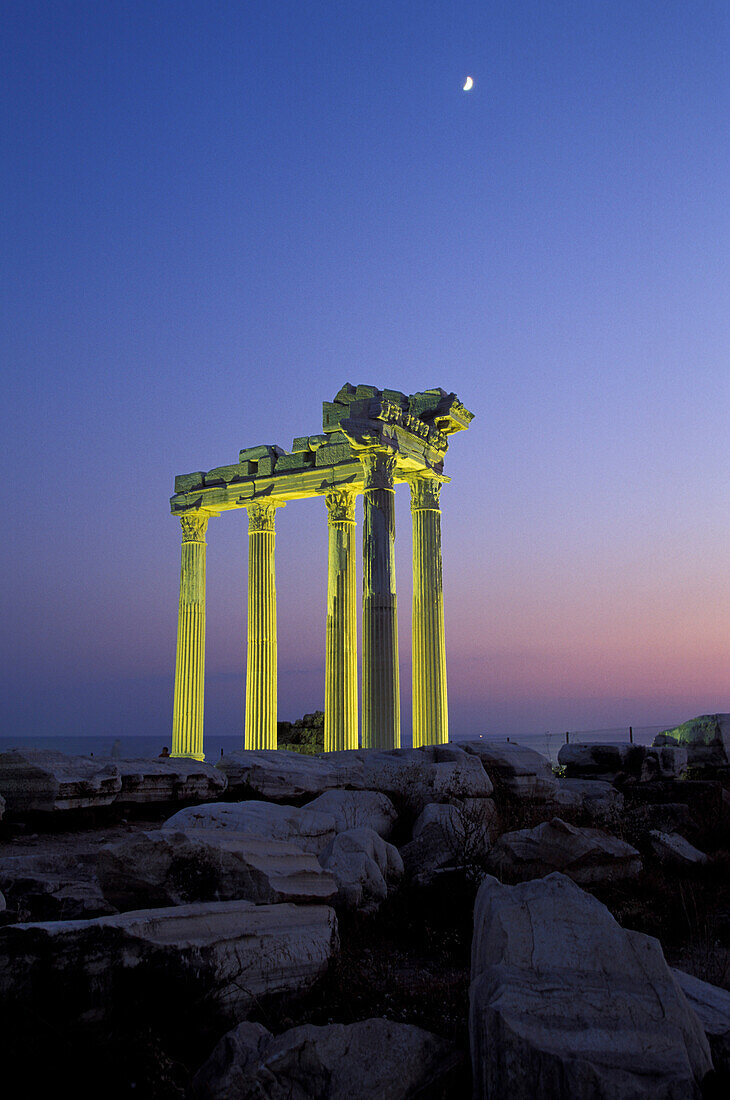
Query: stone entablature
372	440
415	429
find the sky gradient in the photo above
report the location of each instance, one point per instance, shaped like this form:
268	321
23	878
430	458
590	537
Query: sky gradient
215	214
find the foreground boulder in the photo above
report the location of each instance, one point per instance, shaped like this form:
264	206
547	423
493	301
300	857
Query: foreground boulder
706	739
42	780
227	955
516	772
586	855
368	1060
364	866
566	1003
177	779
355	809
712	1006
307	829
165	868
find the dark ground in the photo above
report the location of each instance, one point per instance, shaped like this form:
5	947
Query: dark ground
409	963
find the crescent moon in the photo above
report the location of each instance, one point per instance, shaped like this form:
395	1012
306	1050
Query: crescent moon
468	84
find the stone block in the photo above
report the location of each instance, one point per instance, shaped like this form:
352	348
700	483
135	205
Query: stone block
228	955
285	776
308	830
566	1003
712	1006
53	886
332	455
254	454
367	1060
354	809
301	460
169	780
165	867
224	475
185	483
516	772
42	780
673	848
602	760
706	738
585	855
364	865
595	797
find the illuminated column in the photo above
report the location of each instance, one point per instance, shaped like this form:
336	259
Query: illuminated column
261	654
380	687
430	707
340	689
187	715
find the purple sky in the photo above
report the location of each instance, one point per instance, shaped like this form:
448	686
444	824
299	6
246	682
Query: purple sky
215	214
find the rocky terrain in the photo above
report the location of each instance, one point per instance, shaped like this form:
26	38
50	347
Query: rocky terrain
438	922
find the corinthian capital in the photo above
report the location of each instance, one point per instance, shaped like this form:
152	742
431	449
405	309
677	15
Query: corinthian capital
378	468
194	527
341	505
262	514
425	493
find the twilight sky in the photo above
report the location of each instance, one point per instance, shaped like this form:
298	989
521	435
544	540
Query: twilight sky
216	213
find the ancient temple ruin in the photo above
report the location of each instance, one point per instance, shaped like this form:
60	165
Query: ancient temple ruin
371	440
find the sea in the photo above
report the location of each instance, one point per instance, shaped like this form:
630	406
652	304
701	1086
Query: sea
146	748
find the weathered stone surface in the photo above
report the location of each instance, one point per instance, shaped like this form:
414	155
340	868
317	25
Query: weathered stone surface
285	776
566	1003
42	780
706	738
353	809
175	780
52	887
712	1006
172	868
368	1060
585	855
305	828
621	761
673	848
448	837
594	797
414	777
516	771
230	954
664	762
364	865
601	760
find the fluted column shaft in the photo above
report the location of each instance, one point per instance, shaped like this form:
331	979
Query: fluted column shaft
340	688
380	678
430	705
187	715
261	655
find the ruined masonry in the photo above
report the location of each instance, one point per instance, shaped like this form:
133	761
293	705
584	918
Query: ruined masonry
372	439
